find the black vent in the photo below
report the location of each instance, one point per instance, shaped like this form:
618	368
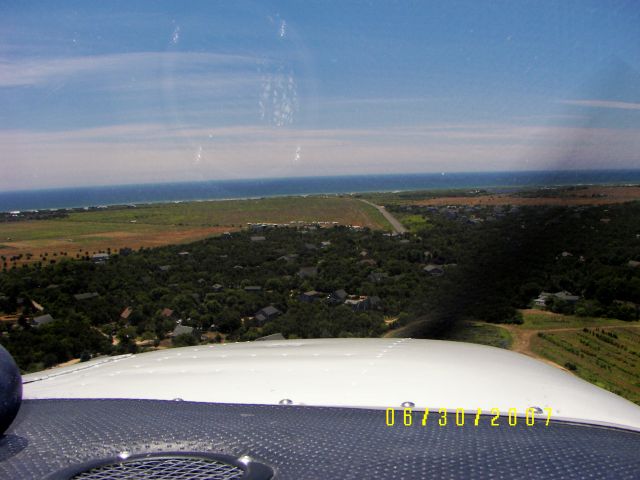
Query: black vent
169	467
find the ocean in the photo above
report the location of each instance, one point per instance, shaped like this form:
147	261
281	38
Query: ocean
256	188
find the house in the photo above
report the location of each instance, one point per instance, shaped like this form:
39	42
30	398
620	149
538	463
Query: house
216	287
291	257
311	296
266	314
35	305
377	277
126	313
374	302
100	258
565	296
358	303
258	238
253	288
308	272
325	244
434	270
85	296
273	336
633	264
368	261
42	320
166	312
182	330
183	254
337	297
164	268
310	246
541	301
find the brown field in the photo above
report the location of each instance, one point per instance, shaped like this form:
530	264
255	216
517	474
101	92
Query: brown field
99	242
164	224
586	196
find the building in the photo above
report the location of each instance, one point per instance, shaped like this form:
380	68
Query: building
35	305
253	288
126	313
311	296
166	312
182	330
434	270
357	303
266	314
100	258
377	277
308	272
216	287
565	296
362	303
291	257
338	296
42	320
273	336
85	296
258	238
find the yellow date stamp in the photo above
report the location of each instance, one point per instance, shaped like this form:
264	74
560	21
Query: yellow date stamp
442	417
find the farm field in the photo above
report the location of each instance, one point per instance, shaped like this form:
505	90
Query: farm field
164	224
605	352
605	356
483	334
560	196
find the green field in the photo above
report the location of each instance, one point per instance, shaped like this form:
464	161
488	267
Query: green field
171	223
481	333
546	320
345	211
607	357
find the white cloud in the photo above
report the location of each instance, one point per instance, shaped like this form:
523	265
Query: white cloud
38	72
155	152
603	104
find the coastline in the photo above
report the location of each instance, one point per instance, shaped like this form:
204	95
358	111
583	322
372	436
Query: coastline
94	197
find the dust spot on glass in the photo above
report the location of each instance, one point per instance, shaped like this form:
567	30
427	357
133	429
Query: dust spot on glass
175	36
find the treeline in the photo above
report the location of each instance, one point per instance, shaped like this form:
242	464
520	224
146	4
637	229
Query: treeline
474	269
510	258
208	284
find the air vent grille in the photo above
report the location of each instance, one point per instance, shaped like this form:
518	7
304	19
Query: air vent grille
163	468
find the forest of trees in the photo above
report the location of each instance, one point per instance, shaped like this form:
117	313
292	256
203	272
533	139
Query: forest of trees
494	262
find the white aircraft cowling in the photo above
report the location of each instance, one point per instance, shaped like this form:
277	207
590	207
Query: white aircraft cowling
357	373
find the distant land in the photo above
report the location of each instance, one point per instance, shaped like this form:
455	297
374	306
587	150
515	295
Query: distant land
273	187
76	233
46	235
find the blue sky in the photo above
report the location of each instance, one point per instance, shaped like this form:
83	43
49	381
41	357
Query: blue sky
98	93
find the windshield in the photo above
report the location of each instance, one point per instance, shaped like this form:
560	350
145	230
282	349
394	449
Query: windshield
179	174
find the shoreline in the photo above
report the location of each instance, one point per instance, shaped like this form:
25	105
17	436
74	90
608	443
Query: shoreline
92	197
493	189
